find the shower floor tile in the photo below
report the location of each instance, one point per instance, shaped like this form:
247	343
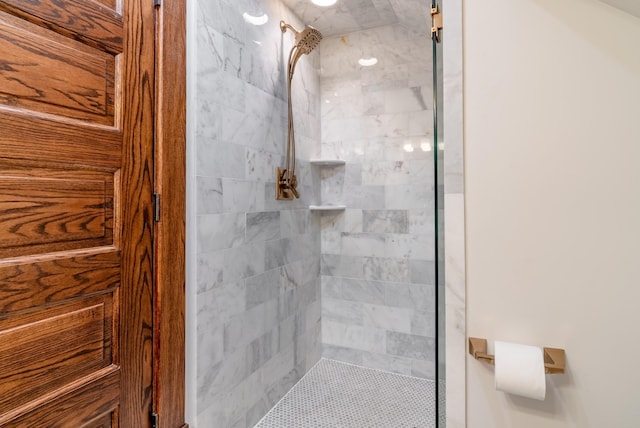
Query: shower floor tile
338	395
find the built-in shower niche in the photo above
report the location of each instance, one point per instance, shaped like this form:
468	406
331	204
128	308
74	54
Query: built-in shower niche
330	170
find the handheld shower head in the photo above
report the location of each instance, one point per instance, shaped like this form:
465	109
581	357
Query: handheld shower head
306	40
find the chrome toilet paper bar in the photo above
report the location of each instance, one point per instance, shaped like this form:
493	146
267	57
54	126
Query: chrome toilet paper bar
554	360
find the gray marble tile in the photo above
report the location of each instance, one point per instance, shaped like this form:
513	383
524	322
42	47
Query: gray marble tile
387	318
219	159
410	246
411	296
261	164
288	303
244	261
347	355
242	195
262	288
422	271
209	270
263	226
385	221
365	197
294	222
423	368
244	328
389	363
354	336
286	333
343	311
423	323
409	197
410	346
383	269
261	350
283	251
353	290
219	231
336	265
221	377
209	195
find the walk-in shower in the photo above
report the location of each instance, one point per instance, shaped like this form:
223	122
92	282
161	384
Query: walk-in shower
340	278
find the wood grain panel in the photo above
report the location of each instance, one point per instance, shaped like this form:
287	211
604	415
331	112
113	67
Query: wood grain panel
169	237
86	20
23	134
81	87
74	406
101	422
44	211
136	292
46	350
51	279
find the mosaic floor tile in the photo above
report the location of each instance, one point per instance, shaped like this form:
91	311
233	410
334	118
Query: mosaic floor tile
338	395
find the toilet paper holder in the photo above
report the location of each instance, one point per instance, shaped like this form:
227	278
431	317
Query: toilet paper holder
554	362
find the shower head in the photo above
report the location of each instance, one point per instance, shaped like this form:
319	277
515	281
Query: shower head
306	40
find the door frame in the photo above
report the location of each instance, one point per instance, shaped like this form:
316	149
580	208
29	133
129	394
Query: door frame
169	232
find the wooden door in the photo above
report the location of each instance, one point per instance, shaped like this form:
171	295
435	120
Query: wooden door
76	219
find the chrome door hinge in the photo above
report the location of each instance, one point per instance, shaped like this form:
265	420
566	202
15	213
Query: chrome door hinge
157	3
154	420
436	23
156	207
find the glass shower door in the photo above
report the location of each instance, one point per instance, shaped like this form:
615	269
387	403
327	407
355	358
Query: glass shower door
438	159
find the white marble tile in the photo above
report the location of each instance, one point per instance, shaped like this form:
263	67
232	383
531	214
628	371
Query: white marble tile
388	363
354	336
410	346
240	135
420	297
244	261
219	231
387	318
209	195
209	270
263	226
352	289
409	197
242	195
383	269
216	159
410	246
343	311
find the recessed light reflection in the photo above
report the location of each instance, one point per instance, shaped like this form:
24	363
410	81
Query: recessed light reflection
368	62
324	3
255	20
426	147
408	148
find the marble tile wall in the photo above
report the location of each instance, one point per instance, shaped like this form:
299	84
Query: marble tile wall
454	216
258	259
378	297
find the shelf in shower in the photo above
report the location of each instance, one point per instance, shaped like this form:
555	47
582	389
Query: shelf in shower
327	162
327	207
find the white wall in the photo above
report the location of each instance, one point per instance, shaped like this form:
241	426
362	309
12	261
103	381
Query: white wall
552	148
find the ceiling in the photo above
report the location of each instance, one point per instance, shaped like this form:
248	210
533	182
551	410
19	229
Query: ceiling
629	6
347	16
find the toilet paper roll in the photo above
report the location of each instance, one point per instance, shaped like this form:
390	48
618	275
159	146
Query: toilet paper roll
520	370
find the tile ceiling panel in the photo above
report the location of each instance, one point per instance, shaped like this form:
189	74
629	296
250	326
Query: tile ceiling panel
347	16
